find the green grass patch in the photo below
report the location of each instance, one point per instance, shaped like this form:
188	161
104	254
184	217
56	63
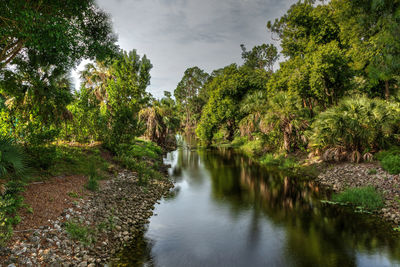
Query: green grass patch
67	160
372	171
80	232
365	197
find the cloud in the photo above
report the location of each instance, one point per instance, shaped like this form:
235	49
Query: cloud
177	34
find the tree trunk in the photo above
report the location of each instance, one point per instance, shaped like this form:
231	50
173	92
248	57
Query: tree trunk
387	90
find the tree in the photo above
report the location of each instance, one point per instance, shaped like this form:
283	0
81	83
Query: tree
126	91
260	57
287	117
37	95
162	121
372	27
304	23
221	115
190	94
61	32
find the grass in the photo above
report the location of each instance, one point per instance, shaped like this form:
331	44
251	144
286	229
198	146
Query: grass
372	171
67	160
80	232
365	197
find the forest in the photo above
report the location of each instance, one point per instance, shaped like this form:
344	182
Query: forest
327	91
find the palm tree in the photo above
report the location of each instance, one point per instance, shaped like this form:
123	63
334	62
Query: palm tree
95	77
12	159
287	116
254	105
355	126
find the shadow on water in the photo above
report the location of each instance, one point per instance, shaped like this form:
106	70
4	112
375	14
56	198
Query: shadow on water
228	211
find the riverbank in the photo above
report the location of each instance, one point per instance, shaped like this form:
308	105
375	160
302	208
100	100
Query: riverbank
340	176
71	226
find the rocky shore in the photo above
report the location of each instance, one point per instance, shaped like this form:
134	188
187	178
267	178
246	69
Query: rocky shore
112	216
346	175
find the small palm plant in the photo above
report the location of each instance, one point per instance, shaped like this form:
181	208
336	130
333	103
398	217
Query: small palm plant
12	159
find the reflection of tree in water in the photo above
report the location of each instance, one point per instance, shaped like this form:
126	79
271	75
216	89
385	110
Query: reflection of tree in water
316	235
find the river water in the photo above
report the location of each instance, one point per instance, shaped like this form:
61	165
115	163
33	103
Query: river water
226	210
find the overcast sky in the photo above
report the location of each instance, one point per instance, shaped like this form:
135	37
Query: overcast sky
178	34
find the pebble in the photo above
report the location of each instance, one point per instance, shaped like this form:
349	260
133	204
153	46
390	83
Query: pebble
131	204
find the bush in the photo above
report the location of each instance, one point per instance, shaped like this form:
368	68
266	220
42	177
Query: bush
364	197
239	141
390	160
12	159
391	163
41	156
355	126
10	202
253	148
139	149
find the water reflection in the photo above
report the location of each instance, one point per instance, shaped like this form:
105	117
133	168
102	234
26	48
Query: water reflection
227	211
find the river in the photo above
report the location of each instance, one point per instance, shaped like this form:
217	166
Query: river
226	210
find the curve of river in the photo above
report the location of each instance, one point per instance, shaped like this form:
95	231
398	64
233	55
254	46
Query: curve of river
228	211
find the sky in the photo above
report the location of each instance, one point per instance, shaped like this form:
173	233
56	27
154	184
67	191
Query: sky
178	34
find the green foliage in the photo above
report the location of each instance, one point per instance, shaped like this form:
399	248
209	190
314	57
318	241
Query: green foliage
226	90
286	120
391	163
191	96
61	32
260	57
13	163
10	202
372	171
365	197
80	232
162	121
140	150
140	157
253	148
126	95
92	184
357	124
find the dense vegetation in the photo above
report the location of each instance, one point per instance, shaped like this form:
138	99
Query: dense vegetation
334	96
40	113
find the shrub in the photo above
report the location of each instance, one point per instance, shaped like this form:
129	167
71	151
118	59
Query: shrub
12	159
239	141
390	160
355	126
391	163
10	202
253	148
92	183
364	197
139	149
41	156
